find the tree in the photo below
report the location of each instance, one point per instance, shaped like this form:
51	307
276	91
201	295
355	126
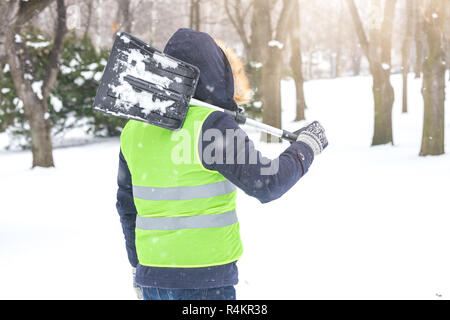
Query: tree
90	7
237	14
264	50
418	37
272	69
433	88
34	93
70	104
194	15
297	63
406	53
378	53
124	17
337	44
356	56
254	44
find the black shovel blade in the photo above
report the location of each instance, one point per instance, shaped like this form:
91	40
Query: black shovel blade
142	83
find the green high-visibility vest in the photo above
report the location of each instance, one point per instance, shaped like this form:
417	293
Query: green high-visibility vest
186	213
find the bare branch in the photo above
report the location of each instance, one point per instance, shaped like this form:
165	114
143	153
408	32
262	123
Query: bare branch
386	30
89	4
359	28
239	22
58	45
29	9
283	20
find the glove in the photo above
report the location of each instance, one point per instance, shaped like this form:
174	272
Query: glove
314	136
137	288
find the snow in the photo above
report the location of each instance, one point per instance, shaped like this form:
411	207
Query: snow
164	61
364	223
93	66
147	102
275	43
37	89
135	66
87	74
18	103
124	38
256	64
56	103
38	45
17	38
66	70
140	72
98	76
79	81
74	63
257	104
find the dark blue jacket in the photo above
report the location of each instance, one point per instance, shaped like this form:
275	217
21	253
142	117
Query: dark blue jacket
200	49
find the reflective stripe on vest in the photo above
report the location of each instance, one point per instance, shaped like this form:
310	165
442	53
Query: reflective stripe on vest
184	193
191	222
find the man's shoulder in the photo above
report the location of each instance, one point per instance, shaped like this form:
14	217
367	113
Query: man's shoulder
220	120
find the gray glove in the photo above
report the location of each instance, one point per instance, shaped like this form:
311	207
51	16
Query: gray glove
314	136
137	288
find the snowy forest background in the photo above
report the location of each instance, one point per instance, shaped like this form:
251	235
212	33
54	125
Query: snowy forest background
373	72
62	47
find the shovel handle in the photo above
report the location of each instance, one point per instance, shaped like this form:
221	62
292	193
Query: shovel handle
280	133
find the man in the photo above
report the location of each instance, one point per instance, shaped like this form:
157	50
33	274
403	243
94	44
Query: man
178	209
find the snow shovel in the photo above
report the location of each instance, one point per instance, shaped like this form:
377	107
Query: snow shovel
142	83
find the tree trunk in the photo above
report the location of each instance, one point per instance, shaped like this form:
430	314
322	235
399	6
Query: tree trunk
90	5
338	43
356	57
418	38
297	63
270	89
383	94
151	22
272	71
337	65
261	34
35	107
127	21
383	112
194	21
405	54
433	89
124	18
40	130
378	52
356	63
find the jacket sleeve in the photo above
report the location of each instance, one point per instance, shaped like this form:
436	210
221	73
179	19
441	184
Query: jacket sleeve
245	166
126	209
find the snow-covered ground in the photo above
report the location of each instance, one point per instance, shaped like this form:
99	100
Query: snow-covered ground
365	222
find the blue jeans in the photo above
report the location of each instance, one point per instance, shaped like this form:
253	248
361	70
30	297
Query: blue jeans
222	293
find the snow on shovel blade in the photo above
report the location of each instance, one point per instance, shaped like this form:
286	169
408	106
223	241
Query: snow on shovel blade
141	83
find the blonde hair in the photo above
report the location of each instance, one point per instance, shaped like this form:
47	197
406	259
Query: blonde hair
242	92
